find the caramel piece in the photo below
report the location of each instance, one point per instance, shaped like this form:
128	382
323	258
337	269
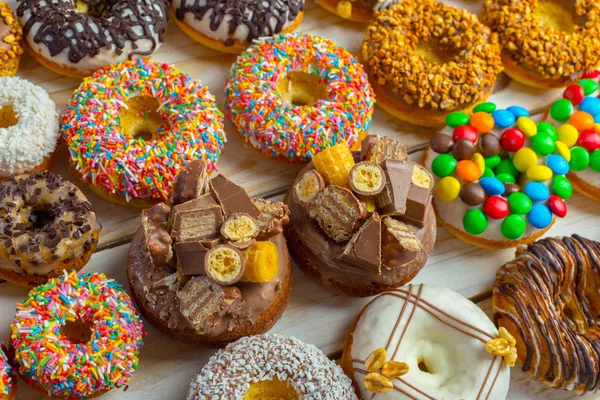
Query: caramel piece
392	200
197	219
307	186
364	249
224	264
262	262
398	239
200	302
240	229
377	149
232	198
157	238
190	183
367	179
337	211
273	216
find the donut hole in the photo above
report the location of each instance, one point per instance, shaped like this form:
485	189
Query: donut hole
301	89
423	366
273	389
433	51
140	119
39	217
77	331
98	10
556	14
8	117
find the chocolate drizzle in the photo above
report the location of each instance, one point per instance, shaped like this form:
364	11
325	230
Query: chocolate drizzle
257	15
549	299
84	35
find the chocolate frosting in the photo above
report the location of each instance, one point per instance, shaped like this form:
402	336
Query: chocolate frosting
548	298
83	35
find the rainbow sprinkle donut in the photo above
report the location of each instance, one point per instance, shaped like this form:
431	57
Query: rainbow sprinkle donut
576	117
295	94
108	116
499	177
71	365
5	374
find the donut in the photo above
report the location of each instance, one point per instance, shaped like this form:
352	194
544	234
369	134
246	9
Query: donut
77	336
361	223
47	225
28	127
270	367
576	118
546	298
427	342
7	377
296	94
231	26
211	264
131	127
500	178
421	74
546	44
10	41
76	38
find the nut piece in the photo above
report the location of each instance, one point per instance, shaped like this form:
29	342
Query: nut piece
224	264
367	178
377	149
504	334
344	9
262	262
240	229
273	216
377	383
307	186
334	164
200	301
337	211
394	369
375	360
157	238
421	177
511	358
498	347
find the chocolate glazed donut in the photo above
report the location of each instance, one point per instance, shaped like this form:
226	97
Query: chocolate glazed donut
548	298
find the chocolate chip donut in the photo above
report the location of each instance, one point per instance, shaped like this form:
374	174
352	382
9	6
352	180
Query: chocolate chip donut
75	38
211	264
548	298
46	226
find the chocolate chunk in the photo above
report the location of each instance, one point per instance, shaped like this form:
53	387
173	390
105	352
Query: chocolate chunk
472	194
233	299
232	198
200	218
442	143
377	149
273	216
400	243
417	203
190	257
156	236
489	144
464	149
200	302
392	200
364	249
190	183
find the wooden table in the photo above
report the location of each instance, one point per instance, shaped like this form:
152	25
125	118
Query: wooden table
314	314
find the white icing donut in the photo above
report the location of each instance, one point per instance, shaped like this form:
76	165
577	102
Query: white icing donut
24	146
439	329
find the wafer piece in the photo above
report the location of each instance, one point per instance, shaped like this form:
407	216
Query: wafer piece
273	216
200	301
197	219
337	211
377	149
398	239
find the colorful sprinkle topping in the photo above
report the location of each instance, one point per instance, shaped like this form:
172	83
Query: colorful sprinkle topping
58	364
5	370
297	132
132	167
480	158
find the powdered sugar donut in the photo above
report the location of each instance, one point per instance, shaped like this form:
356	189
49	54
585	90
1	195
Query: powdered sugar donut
28	127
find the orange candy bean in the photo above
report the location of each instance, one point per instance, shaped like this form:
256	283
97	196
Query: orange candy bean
482	121
581	120
467	170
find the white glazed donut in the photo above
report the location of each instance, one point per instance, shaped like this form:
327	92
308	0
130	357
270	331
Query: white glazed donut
28	127
440	335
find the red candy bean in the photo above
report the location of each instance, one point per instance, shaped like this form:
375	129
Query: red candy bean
589	140
557	206
465	132
512	140
574	93
496	207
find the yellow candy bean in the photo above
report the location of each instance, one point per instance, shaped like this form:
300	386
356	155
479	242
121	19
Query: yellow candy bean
568	134
525	158
448	188
597	127
563	150
539	173
527	126
480	162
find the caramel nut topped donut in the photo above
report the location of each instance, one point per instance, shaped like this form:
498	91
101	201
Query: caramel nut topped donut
10	41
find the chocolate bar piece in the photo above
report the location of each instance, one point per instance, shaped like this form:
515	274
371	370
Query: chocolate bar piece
400	243
157	239
200	302
190	182
392	200
200	218
232	198
364	249
377	149
190	257
419	197
273	216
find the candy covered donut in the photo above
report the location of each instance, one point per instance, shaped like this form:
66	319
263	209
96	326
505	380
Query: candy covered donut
8	380
427	342
546	44
576	117
270	367
294	95
77	37
130	128
77	336
231	26
500	178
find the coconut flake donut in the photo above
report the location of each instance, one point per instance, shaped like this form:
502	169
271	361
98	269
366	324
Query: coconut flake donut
270	366
294	95
576	117
546	44
427	342
132	127
28	127
75	38
499	177
7	377
421	74
231	26
77	336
